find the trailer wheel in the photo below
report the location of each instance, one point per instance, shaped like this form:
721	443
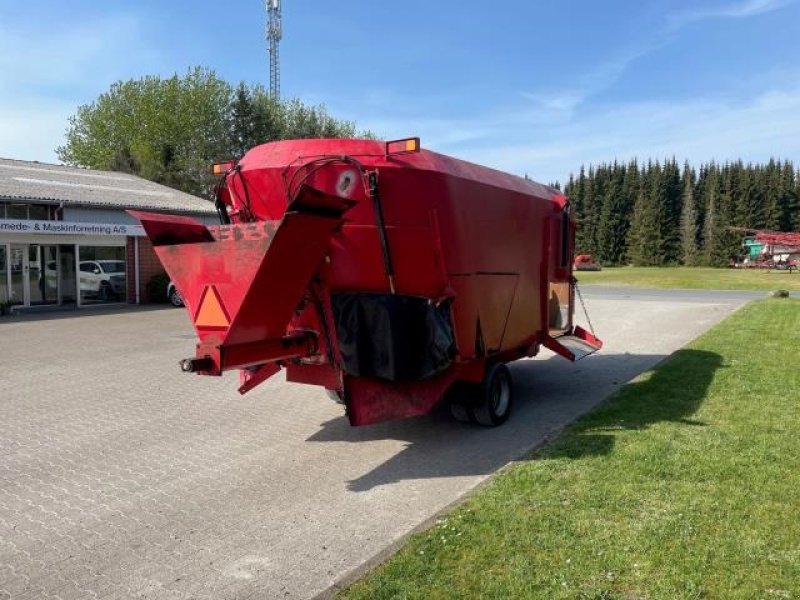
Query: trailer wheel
493	405
459	398
460	412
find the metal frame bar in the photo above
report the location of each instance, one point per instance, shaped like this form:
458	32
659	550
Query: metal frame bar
213	359
7	269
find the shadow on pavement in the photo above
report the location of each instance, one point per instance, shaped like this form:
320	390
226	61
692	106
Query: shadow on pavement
548	395
670	395
71	312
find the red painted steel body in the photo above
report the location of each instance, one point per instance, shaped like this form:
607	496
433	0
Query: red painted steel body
308	223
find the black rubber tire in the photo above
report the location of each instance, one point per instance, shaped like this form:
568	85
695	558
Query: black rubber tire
175	298
459	398
493	405
460	412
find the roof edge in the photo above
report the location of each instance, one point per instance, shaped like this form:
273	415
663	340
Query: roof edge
117	207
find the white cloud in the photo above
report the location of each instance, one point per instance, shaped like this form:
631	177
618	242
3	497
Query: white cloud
564	134
441	132
699	129
604	74
555	137
565	102
739	10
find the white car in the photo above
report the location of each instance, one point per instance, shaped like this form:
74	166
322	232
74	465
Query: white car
105	278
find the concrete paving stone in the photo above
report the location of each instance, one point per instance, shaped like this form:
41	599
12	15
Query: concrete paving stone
73	591
121	477
9	554
60	550
108	587
15	586
35	593
51	581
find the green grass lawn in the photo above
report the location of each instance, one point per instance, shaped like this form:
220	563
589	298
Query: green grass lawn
693	278
685	485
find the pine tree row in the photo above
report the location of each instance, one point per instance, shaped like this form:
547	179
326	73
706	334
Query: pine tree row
660	214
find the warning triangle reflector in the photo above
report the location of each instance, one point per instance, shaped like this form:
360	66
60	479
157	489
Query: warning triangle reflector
211	312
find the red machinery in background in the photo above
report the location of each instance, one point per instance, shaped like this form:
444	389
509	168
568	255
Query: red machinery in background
771	249
586	262
385	273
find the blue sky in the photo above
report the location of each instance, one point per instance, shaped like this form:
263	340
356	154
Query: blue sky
535	87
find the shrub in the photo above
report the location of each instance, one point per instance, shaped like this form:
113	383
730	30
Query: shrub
157	288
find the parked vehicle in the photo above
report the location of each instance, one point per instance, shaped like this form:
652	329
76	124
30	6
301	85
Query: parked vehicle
390	275
173	295
102	278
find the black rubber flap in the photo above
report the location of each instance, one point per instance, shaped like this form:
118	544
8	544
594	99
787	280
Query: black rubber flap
394	337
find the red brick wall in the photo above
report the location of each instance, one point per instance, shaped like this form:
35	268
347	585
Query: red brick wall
149	265
130	271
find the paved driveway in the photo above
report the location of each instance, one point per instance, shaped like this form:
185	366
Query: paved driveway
120	477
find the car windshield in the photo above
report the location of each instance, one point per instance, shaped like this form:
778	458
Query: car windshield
112	266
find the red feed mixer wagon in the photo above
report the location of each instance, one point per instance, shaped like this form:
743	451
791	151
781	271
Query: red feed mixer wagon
388	274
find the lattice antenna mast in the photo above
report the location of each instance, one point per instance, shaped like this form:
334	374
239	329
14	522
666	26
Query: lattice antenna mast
274	32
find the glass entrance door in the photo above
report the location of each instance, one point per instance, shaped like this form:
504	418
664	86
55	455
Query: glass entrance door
17	266
68	281
34	274
43	274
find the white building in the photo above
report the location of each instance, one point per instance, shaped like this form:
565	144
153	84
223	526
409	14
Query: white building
65	238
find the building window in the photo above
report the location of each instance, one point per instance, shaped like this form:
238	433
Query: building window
102	274
29	212
17	211
39	212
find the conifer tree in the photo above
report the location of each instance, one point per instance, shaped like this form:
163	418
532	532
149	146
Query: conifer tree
789	200
645	215
771	196
614	218
795	214
726	245
576	192
631	186
669	198
646	246
588	222
689	246
711	219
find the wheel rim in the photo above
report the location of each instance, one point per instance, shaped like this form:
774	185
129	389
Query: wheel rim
501	394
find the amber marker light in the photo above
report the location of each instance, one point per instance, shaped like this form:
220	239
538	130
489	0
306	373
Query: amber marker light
221	168
402	146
